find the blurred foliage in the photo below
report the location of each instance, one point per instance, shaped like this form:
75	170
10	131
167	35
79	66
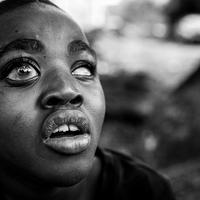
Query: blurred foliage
187	29
143	118
137	109
176	9
130	102
183	17
136	11
137	15
176	121
160	127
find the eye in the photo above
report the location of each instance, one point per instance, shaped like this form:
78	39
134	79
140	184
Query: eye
84	70
22	71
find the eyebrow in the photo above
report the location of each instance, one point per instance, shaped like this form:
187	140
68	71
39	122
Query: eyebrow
78	46
36	46
22	44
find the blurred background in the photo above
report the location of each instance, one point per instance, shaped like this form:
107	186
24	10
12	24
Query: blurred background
148	59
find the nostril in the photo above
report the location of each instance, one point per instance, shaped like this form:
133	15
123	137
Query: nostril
77	101
53	101
60	100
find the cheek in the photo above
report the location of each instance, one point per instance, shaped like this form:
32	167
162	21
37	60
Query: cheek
17	125
96	104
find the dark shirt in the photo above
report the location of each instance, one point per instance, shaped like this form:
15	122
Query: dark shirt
127	178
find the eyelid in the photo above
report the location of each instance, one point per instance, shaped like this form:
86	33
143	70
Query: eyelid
87	64
11	65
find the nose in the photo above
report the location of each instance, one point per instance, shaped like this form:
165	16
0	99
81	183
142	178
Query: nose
57	99
61	92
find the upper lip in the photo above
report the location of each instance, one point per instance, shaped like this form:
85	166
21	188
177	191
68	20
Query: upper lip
65	117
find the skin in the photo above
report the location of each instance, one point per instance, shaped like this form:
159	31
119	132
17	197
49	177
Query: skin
28	168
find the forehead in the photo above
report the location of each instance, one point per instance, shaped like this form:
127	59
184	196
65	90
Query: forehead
38	21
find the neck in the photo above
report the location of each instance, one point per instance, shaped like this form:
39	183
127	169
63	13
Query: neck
14	187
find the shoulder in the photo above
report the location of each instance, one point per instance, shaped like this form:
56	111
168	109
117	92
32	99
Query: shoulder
128	177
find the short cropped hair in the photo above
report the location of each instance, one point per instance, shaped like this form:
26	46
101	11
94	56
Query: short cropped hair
10	5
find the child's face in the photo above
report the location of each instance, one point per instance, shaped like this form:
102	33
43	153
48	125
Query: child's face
47	80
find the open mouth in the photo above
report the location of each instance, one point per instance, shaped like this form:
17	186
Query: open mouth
67	132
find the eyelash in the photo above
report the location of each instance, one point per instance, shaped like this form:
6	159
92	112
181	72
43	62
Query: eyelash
88	65
12	64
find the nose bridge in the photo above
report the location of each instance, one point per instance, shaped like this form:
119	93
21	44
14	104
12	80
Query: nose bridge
61	89
63	81
59	72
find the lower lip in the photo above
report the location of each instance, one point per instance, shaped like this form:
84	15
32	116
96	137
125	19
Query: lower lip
69	145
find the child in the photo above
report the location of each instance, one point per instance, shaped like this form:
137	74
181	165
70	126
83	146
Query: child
52	110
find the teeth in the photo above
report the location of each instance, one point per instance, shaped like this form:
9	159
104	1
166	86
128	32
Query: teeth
73	128
62	128
65	128
55	131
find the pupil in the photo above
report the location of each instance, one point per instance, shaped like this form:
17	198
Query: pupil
24	70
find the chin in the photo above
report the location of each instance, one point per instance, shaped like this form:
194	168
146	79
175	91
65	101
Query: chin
67	178
66	182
